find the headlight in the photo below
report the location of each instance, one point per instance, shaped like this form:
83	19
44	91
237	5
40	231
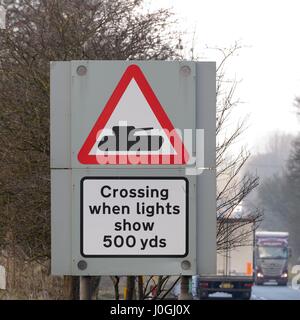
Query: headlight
260	275
284	275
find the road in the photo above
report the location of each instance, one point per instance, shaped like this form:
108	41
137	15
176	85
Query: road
266	292
273	292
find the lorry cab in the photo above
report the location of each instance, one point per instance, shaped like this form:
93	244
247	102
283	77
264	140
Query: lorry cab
271	257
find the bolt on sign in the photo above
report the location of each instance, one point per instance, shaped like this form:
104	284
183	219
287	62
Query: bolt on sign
126	184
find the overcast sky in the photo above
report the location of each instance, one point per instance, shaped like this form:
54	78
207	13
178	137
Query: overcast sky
269	63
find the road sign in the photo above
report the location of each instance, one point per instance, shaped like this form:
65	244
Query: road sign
133	128
134	216
115	160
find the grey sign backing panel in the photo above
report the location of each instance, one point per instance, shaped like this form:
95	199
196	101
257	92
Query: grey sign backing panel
180	96
174	89
206	109
61	222
168	265
206	182
206	223
60	114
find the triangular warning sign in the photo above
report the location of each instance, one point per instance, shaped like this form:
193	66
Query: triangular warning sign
133	128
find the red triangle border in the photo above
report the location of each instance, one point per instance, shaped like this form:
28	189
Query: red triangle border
133	72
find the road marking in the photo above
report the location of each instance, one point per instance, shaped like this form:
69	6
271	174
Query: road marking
258	298
296	289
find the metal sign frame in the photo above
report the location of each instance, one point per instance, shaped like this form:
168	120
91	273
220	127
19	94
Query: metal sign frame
187	91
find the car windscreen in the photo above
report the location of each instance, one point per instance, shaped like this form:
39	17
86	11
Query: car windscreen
270	252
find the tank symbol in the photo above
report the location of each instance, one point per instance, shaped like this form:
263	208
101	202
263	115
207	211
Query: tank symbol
129	138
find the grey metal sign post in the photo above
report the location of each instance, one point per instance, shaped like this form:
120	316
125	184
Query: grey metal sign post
132	180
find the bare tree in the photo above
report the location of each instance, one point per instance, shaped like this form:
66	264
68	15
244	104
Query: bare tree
232	186
40	31
279	195
297	105
37	32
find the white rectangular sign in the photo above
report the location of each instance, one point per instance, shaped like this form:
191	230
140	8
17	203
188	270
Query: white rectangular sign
2	278
134	216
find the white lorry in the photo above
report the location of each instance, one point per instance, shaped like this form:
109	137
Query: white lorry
234	263
272	253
